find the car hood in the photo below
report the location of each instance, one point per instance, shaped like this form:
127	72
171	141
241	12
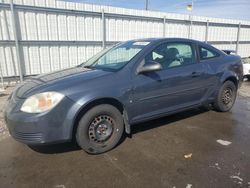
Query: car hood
77	73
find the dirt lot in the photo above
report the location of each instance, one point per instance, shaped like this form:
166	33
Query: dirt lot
191	149
3	97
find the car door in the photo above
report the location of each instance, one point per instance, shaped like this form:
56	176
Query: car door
180	84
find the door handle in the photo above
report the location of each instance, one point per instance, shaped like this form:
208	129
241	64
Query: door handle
196	74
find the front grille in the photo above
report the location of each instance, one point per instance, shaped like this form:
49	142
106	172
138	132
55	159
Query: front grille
30	137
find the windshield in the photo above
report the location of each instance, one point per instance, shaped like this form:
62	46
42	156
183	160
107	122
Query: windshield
116	57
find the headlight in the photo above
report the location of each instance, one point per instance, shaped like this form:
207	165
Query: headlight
41	102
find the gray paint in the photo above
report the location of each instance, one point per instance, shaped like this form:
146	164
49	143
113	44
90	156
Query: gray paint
143	96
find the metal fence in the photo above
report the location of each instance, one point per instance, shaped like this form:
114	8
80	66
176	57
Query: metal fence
39	36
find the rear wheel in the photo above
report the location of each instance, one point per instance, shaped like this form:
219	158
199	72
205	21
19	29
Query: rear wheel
226	97
100	129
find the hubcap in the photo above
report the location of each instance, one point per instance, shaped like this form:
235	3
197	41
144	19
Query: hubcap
227	97
101	128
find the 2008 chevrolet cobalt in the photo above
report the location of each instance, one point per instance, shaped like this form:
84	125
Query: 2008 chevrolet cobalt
134	81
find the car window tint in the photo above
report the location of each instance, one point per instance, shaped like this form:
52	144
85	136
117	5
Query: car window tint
171	55
207	53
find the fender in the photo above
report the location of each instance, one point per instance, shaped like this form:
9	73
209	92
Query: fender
230	75
87	100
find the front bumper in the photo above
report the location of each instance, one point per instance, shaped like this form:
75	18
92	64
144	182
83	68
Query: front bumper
42	128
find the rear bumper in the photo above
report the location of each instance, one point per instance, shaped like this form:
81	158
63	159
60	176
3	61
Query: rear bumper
43	128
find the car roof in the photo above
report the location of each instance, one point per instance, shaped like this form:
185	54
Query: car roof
162	39
166	39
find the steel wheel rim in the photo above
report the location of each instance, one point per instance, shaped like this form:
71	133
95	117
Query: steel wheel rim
227	97
101	129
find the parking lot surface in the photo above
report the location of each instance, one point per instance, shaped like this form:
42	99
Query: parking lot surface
196	148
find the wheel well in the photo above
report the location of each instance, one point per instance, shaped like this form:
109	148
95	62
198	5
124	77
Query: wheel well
111	101
232	79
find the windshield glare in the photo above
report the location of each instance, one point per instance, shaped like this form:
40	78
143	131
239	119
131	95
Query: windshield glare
116	57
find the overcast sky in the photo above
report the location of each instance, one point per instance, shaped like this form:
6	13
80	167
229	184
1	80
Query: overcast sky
235	9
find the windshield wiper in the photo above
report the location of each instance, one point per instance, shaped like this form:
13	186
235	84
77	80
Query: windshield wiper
89	67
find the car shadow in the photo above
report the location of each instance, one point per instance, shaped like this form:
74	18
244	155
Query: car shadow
166	120
56	148
72	146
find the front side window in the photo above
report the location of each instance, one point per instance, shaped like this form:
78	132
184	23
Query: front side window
171	55
116	57
207	53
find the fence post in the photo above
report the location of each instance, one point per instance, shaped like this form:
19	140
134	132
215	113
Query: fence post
207	27
190	27
164	26
16	40
238	39
103	30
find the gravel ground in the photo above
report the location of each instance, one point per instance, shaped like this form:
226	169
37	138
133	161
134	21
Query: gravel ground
244	91
3	98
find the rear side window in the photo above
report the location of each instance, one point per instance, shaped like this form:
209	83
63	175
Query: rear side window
207	53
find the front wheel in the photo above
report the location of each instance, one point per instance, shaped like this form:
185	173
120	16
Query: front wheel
100	129
226	97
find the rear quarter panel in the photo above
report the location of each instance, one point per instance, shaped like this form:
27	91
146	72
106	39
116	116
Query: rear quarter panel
232	67
220	69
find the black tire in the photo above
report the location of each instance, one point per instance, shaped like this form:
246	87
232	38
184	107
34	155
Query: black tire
100	129
226	97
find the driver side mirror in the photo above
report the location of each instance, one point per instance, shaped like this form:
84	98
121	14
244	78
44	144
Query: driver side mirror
149	66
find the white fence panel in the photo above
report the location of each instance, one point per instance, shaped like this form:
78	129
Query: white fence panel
6	25
199	32
222	33
177	30
244	50
245	34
